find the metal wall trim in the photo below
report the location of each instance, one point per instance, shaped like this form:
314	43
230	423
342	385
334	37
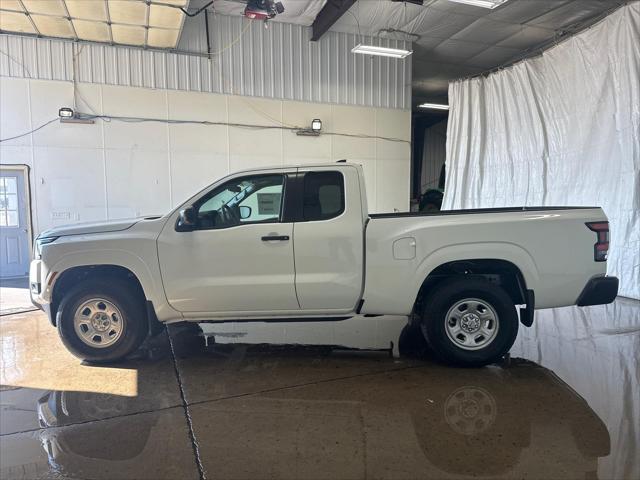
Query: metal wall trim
277	62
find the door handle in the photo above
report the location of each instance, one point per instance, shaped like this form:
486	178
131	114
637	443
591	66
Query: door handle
278	238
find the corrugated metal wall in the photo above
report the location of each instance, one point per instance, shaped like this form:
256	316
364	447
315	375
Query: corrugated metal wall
248	59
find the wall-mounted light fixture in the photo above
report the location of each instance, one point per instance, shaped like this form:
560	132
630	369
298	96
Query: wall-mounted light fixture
314	131
65	112
381	51
434	106
67	115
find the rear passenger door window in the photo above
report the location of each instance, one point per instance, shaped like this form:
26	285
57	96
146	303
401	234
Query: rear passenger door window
323	196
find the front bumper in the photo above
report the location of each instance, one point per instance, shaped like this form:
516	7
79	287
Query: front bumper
39	291
598	291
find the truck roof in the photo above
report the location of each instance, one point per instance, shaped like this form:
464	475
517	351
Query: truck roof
337	164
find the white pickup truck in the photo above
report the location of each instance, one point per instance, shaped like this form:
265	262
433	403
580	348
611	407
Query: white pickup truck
298	243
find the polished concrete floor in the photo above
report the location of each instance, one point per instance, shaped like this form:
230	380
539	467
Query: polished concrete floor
565	405
14	295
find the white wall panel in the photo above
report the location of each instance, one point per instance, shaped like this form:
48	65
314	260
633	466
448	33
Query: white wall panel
393	173
247	59
15	117
260	148
138	182
114	169
70	185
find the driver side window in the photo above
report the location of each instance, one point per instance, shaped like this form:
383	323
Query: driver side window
244	200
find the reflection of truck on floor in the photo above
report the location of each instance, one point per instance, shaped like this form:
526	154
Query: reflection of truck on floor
495	424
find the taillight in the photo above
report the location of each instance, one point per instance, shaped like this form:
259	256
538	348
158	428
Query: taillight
601	247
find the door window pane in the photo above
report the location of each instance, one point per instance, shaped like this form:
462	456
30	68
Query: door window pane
10	185
12	219
323	195
256	199
9	202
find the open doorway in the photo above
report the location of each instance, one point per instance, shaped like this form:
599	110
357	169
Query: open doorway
428	160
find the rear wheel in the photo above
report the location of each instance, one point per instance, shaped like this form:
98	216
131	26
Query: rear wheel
469	322
101	322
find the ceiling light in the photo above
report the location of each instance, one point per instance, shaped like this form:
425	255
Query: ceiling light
482	3
381	51
434	106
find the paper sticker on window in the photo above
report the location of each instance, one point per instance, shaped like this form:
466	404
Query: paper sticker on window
269	203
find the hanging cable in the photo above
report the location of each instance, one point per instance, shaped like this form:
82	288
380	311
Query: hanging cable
360	37
17	62
29	132
198	11
184	10
229	45
110	118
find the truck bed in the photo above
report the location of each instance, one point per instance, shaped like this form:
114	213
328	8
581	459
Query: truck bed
469	211
551	246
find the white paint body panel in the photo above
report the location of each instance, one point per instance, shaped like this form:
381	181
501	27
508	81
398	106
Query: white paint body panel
228	270
329	253
133	248
231	274
91	227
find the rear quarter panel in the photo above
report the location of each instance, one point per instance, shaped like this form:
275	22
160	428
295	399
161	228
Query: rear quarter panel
552	249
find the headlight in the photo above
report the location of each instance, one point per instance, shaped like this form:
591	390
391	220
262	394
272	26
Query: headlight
40	242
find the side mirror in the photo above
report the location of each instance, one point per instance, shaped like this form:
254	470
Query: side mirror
186	220
245	212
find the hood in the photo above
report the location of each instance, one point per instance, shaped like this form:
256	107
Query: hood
93	227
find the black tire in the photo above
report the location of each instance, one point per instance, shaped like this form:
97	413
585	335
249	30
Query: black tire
444	297
131	307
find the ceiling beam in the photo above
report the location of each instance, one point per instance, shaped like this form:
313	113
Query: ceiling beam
329	15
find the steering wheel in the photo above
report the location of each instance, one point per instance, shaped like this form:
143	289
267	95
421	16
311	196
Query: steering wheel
230	216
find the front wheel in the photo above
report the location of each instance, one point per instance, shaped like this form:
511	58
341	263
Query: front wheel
469	322
101	321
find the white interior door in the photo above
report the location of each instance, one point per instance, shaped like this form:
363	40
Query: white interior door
14	226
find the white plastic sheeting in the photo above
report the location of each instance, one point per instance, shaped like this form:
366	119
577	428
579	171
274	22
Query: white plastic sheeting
559	129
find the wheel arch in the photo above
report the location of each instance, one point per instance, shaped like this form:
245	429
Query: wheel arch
497	271
70	277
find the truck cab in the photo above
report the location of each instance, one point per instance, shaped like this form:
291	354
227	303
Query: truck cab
231	250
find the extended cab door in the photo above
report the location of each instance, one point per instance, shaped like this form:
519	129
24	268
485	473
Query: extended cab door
329	239
238	257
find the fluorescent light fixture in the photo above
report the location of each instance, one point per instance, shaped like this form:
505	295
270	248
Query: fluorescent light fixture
482	3
381	51
434	106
